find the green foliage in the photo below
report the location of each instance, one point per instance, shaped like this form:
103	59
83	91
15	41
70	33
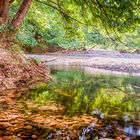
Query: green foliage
80	23
1	28
27	39
96	138
37	61
17	48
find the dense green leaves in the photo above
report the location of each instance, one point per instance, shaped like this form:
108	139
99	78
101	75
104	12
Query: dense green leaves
109	13
80	23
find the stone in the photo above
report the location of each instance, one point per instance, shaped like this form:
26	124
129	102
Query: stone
19	135
34	136
28	127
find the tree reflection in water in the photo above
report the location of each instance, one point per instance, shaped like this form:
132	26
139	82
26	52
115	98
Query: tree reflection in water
82	93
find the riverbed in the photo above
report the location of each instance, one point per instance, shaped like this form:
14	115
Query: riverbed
93	106
102	61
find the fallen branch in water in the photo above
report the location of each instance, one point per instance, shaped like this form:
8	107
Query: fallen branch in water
49	60
137	87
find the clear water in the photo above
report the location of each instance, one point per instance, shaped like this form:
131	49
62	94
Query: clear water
86	93
104	96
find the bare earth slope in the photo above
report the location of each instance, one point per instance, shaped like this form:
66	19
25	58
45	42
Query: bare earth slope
16	71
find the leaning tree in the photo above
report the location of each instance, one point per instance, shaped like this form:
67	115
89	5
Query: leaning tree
17	19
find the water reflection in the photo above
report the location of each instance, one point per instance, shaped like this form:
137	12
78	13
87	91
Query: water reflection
98	95
84	93
138	132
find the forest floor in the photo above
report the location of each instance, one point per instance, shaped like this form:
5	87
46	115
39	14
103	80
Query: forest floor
95	58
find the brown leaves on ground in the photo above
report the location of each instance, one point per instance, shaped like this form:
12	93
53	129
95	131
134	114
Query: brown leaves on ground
25	120
16	71
18	125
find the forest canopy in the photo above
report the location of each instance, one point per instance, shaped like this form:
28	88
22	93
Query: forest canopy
48	19
112	14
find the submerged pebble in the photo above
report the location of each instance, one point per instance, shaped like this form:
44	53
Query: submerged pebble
34	136
92	125
126	118
82	138
138	132
50	136
102	116
96	112
129	130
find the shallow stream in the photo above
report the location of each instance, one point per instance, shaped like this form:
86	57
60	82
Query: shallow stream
113	99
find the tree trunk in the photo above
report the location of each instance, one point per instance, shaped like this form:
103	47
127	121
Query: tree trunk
21	13
8	36
1	5
4	10
11	1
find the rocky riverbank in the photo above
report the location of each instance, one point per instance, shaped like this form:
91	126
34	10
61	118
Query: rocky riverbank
101	59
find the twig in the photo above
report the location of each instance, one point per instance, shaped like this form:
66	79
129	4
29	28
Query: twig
50	60
137	87
90	48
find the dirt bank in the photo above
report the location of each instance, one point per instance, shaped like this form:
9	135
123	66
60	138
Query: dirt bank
16	71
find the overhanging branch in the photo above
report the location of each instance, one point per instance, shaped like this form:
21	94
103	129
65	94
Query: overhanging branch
59	9
64	14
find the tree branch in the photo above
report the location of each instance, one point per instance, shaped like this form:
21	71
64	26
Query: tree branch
23	9
4	10
104	11
60	10
99	8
